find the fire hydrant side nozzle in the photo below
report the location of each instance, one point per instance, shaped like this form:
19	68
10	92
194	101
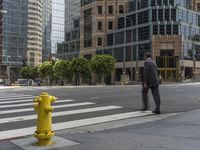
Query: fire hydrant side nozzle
42	105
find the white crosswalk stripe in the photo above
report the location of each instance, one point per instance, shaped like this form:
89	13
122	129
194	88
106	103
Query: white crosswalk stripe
31	104
59	106
23	116
95	109
10	98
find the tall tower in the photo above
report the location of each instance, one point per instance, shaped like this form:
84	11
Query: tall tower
47	29
34	42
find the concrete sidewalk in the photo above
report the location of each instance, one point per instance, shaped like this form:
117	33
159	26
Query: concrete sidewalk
178	132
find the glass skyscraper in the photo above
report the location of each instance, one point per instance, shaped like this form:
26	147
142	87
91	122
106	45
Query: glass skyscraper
58	13
47	27
70	48
14	32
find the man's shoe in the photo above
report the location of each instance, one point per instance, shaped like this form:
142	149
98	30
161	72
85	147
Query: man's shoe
156	111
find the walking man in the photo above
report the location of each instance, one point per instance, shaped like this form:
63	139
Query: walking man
150	80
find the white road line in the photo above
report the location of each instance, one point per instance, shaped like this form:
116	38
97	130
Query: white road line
29	104
72	124
57	106
25	100
63	113
17	98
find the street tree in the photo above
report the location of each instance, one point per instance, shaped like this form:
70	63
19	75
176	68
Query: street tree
46	71
29	72
81	69
34	72
26	72
62	70
103	66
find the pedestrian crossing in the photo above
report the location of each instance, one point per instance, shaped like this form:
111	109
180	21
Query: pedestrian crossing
17	116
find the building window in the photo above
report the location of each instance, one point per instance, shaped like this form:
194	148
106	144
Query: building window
175	29
160	15
109	39
100	10
155	30
198	6
143	33
159	2
165	2
121	9
99	25
99	41
173	14
110	25
171	2
167	14
110	9
143	17
162	30
121	22
153	2
168	29
154	15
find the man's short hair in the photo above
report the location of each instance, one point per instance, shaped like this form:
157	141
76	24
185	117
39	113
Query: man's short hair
148	55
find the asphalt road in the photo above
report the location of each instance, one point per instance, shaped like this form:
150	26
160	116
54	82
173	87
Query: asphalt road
174	97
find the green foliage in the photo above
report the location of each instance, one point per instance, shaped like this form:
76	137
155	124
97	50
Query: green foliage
34	72
46	69
62	69
81	67
103	65
29	72
26	72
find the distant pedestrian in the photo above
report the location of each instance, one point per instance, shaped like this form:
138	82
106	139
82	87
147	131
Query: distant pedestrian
150	80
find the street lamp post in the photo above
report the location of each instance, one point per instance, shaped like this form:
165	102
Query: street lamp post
193	58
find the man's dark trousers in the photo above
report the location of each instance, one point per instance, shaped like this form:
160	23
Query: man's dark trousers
156	96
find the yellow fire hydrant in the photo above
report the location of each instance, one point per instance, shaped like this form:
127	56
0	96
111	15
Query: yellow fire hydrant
42	105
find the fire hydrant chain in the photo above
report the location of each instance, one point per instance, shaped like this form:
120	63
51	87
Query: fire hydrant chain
42	105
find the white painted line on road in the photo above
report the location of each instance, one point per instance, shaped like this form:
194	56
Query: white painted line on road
17	98
29	104
63	113
72	124
15	101
27	100
57	106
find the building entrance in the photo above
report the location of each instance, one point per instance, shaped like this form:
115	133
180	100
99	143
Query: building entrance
167	67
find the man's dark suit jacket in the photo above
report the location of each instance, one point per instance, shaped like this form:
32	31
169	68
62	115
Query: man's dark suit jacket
150	74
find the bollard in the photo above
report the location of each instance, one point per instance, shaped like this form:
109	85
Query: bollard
42	105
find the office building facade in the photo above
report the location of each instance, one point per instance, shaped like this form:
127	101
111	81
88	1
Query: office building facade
169	29
97	19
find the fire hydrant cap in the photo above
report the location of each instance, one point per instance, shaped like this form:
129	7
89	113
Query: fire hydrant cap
44	93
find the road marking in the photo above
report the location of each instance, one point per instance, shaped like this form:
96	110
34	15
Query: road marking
72	124
29	104
27	100
16	98
57	106
63	113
